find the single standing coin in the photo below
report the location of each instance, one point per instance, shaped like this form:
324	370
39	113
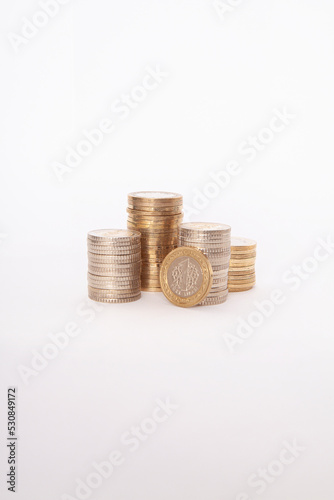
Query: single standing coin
186	276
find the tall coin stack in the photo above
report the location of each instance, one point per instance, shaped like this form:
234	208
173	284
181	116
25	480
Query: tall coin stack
214	241
114	265
156	215
241	275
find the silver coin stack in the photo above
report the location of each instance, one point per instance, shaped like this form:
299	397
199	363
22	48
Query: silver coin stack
114	264
214	240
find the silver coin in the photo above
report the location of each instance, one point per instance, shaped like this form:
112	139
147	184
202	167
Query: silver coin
113	301
206	227
105	258
116	255
114	235
117	294
116	288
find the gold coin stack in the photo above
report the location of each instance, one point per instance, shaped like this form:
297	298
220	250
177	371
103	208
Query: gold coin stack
156	215
214	241
114	265
241	275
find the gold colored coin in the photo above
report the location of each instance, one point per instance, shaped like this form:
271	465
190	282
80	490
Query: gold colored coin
235	263
241	270
238	256
242	244
155	197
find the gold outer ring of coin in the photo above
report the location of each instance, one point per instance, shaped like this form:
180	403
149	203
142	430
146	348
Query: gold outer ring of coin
207	273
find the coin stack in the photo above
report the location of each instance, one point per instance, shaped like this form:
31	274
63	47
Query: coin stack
214	241
114	265
241	275
156	215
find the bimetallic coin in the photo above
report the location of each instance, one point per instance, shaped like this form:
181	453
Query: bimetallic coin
186	276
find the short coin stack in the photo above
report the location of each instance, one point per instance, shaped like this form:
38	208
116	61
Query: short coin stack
114	265
156	215
214	241
241	275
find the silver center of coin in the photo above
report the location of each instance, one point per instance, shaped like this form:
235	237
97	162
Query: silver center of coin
185	276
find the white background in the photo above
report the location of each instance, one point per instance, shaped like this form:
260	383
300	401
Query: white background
226	75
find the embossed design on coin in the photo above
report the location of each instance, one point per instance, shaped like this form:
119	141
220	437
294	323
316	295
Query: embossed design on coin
186	276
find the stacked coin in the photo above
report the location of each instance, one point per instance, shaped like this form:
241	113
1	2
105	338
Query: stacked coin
241	275
214	241
113	265
156	215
